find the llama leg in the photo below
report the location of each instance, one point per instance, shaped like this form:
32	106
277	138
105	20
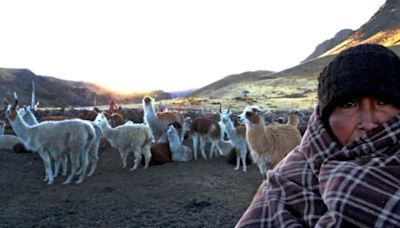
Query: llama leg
147	155
124	156
93	164
202	147
219	149
195	140
47	166
237	162
74	167
138	157
94	157
57	163
80	166
243	155
65	165
84	165
212	149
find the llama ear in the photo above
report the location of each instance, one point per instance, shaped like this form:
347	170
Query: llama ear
14	107
36	105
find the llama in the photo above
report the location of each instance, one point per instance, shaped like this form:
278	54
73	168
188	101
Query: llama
89	114
11	142
125	138
55	140
158	122
7	142
236	136
29	117
160	154
268	144
179	152
204	129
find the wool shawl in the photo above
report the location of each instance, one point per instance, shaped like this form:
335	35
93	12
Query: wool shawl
323	184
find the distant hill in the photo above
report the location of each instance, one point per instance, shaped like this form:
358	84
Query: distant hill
54	92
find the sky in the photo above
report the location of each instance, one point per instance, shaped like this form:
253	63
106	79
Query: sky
171	45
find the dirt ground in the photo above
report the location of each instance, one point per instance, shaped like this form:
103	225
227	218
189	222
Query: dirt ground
203	193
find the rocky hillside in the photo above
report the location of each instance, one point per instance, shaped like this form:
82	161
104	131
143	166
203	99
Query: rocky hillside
296	87
329	44
51	91
382	28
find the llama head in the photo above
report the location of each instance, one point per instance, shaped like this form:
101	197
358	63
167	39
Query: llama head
11	110
100	120
224	115
171	131
23	111
295	112
147	100
252	115
186	123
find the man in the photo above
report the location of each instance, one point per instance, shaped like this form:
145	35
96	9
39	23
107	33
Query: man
346	171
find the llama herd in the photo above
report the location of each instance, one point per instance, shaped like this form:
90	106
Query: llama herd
159	139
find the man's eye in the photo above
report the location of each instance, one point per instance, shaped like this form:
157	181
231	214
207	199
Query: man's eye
382	101
348	104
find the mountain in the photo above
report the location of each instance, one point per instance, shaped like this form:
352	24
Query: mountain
382	28
325	46
51	91
296	87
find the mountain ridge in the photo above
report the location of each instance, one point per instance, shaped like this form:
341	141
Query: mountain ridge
296	86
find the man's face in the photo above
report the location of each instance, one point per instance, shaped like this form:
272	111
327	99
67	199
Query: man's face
351	119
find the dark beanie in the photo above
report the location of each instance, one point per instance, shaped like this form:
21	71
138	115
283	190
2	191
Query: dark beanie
363	70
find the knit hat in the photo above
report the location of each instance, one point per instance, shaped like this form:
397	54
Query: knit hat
363	70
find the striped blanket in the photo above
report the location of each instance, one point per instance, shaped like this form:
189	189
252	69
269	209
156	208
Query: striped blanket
322	184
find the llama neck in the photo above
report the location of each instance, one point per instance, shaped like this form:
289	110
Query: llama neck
149	111
107	130
30	118
293	121
174	142
20	127
257	136
150	117
230	130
